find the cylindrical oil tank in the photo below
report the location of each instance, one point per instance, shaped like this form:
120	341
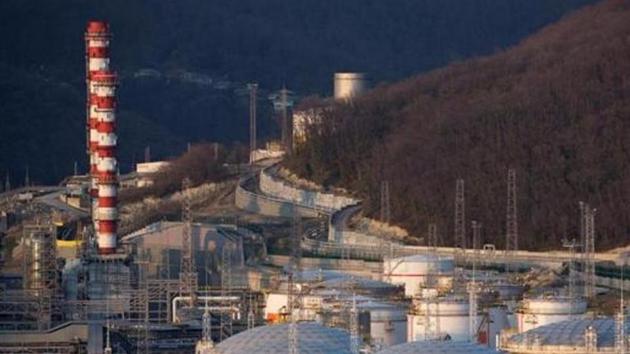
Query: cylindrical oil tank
447	318
414	271
539	311
388	322
349	85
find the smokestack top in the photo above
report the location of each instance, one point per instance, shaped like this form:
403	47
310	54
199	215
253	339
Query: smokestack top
97	28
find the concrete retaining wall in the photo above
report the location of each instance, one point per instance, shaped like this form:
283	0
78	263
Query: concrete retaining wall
269	206
373	270
327	202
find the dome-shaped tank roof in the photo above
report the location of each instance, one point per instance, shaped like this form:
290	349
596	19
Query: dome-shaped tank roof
437	347
566	333
312	338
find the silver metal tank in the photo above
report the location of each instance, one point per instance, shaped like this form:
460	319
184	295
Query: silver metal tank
349	85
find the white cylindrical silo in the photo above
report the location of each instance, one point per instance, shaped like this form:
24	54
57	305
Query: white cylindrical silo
349	85
535	312
414	272
388	322
441	317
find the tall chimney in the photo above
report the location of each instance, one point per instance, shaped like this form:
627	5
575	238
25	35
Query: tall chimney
105	83
97	38
102	140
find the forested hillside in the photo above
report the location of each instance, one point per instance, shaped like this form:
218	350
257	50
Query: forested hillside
183	63
556	108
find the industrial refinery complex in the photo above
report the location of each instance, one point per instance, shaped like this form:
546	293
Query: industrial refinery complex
265	262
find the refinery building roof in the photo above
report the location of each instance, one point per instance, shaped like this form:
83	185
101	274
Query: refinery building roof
274	339
437	347
564	336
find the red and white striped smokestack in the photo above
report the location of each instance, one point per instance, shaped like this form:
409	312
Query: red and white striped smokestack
97	39
104	84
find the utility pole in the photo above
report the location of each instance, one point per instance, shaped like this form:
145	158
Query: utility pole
355	339
385	204
432	238
253	87
27	178
147	153
460	215
187	274
511	234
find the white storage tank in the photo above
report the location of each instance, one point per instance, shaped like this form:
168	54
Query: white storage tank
495	320
388	322
275	305
349	85
413	272
543	310
447	318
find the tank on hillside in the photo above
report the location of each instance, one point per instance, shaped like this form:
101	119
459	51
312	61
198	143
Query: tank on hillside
349	85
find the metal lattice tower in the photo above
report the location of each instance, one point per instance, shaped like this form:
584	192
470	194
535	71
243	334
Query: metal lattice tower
460	215
473	287
253	87
206	336
588	222
187	274
250	314
287	132
511	228
572	245
293	300
590	339
355	338
620	319
432	238
226	287
385	205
